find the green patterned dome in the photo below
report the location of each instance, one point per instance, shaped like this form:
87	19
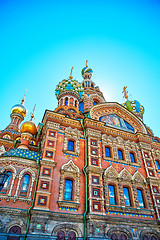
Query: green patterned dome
69	85
134	106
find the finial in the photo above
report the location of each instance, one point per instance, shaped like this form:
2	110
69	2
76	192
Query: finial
32	115
23	99
125	93
86	63
71	73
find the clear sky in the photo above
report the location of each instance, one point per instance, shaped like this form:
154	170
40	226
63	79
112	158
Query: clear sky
41	40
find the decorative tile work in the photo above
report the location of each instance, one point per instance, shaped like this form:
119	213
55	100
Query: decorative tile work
124	164
11	131
52	134
46	171
50	143
42	200
49	154
95	179
68	209
96	206
23	153
44	185
129	214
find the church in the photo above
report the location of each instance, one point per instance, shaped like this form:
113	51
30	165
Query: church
89	170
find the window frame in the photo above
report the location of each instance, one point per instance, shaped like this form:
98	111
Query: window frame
143	198
122	151
110	152
157	164
21	193
129	194
115	198
74	145
134	157
72	190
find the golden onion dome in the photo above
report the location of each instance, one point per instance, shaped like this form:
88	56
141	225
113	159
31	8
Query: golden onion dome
29	127
20	109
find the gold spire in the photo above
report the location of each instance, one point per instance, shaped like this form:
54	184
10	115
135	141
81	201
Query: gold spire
23	99
125	93
32	115
71	73
86	63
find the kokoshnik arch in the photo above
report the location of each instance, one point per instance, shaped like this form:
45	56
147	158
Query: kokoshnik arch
89	170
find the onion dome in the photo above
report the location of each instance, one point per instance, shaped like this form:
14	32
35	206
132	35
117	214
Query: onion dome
69	85
20	109
133	106
29	127
87	72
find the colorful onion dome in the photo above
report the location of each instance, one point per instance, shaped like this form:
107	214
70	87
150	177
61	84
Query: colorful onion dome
69	85
87	70
29	127
20	109
134	106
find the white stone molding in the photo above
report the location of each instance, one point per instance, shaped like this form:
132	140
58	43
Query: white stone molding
72	171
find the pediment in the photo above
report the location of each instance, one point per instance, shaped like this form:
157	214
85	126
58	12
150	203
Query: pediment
70	167
137	177
115	115
125	175
111	172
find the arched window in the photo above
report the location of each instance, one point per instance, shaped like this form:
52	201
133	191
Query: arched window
120	154
140	198
76	103
14	230
68	188
6	185
154	237
127	200
145	237
107	152
158	164
66	102
60	235
71	145
123	237
81	107
112	197
25	185
71	235
114	236
132	157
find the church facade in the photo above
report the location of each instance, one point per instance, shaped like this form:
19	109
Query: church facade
89	170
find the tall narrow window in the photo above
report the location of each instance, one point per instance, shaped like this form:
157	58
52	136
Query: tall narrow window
132	157
157	164
126	196
107	152
66	102
6	185
140	198
120	154
25	185
68	189
70	145
112	199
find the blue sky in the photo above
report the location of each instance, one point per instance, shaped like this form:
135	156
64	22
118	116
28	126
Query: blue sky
41	40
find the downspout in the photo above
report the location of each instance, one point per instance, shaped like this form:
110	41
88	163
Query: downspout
84	171
33	200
